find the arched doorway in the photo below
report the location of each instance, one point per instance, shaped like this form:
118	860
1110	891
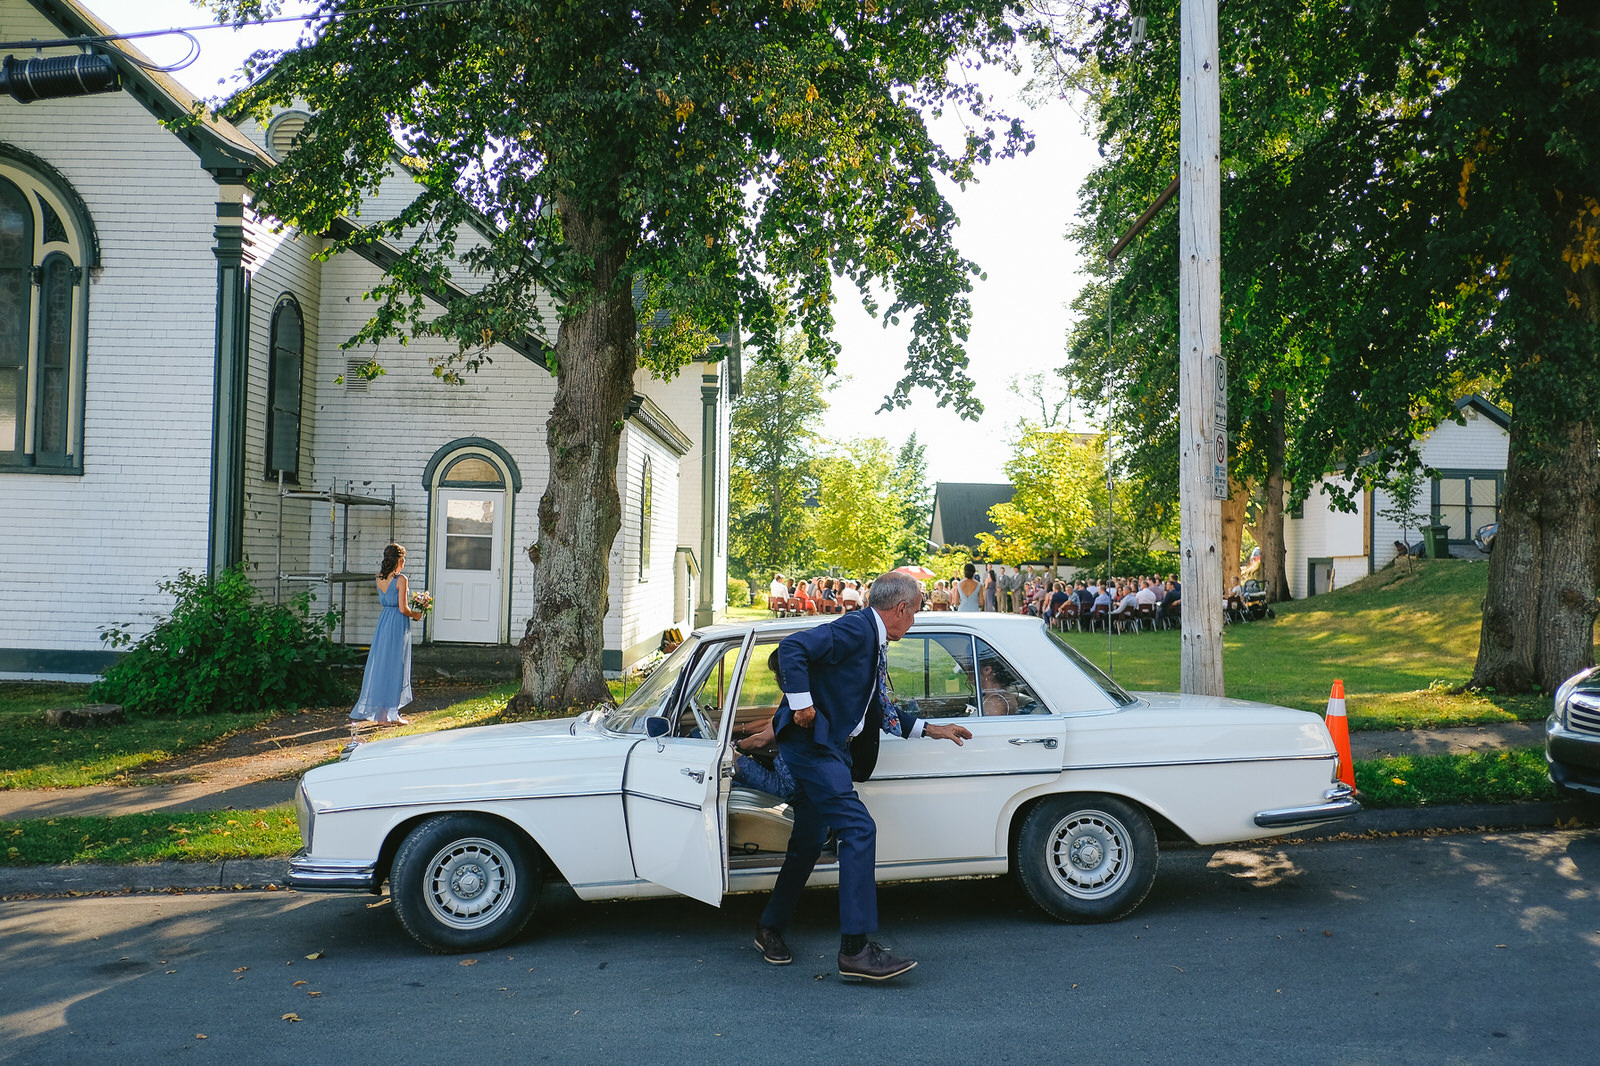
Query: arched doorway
469	561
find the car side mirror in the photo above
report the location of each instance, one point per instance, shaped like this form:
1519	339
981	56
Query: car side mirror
655	728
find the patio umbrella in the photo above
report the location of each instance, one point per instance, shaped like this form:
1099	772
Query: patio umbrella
921	573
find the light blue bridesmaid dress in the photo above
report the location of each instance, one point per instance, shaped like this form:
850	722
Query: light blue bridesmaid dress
386	684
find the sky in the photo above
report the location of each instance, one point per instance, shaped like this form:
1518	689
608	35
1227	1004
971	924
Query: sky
1013	225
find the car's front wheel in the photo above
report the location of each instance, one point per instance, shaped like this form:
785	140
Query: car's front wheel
1087	858
464	882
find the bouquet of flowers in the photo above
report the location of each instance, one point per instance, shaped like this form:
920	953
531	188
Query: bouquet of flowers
422	601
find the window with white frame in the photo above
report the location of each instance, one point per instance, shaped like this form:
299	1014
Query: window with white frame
44	250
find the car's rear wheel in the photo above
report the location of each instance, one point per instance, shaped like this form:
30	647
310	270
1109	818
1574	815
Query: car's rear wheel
1088	857
464	882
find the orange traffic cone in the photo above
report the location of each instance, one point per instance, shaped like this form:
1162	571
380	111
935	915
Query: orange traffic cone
1339	729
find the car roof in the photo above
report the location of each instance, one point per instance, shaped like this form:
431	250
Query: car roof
978	622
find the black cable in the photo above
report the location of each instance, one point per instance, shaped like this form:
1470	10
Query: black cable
190	31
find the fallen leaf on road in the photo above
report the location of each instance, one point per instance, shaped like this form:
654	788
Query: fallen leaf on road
469	962
240	969
297	984
291	1017
313	993
199	1036
315	955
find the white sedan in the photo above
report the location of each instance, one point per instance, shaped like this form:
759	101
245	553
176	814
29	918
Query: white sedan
1068	780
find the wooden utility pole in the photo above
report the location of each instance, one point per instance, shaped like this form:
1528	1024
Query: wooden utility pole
1202	371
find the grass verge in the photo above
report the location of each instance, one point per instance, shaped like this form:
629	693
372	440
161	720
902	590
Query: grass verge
1516	775
155	837
1512	776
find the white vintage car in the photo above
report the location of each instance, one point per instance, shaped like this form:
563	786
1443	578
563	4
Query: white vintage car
1068	780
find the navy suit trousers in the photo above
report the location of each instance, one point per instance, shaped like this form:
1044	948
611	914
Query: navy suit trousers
826	797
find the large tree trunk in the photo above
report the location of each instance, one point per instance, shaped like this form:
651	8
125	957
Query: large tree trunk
1538	619
1234	510
1269	526
581	510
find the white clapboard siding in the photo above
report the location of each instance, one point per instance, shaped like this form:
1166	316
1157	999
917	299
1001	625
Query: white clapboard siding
85	552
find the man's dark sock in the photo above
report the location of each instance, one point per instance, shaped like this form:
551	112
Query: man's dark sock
852	943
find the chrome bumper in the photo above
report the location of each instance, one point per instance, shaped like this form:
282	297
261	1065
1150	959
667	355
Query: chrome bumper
1338	802
331	875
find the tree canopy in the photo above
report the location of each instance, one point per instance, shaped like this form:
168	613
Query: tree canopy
732	157
1411	207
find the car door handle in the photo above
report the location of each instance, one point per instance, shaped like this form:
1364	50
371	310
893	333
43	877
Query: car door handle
1048	742
698	775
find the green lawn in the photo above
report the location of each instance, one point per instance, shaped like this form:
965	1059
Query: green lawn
158	836
34	754
1400	642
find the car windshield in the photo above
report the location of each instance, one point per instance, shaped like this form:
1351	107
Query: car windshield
1118	694
650	699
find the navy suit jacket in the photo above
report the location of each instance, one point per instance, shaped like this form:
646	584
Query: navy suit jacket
838	664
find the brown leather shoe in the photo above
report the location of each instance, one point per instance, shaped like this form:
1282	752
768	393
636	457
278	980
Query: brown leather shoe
872	963
773	949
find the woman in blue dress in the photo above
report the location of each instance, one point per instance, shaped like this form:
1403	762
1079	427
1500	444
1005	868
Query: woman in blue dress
386	683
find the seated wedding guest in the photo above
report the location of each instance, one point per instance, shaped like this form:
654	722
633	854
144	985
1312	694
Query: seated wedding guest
939	598
851	596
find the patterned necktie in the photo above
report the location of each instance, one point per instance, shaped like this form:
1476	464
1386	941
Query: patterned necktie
891	717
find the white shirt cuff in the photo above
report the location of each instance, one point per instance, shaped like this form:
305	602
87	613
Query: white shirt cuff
917	728
798	701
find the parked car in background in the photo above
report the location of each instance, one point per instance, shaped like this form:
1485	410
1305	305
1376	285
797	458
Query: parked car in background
1484	538
1572	735
1071	787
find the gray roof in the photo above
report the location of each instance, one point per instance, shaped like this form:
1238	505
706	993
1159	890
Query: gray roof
961	511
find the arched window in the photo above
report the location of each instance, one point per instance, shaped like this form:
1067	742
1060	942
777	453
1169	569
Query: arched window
646	489
283	388
45	243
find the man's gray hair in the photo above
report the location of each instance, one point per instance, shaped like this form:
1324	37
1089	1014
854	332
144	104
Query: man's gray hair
892	589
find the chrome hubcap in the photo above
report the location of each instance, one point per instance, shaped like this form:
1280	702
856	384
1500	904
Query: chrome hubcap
470	883
1089	854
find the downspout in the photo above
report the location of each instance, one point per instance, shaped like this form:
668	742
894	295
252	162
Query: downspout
226	536
705	596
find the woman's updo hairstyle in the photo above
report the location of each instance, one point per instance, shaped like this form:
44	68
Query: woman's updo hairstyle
391	560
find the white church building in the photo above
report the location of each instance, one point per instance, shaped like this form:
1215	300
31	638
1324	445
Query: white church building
174	395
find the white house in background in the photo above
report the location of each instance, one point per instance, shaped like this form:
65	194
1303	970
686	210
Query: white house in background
1328	549
167	361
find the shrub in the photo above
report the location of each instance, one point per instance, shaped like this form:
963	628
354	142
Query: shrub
222	650
738	592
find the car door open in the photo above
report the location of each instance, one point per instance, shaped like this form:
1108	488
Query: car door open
674	787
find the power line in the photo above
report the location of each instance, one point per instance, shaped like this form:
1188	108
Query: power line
190	31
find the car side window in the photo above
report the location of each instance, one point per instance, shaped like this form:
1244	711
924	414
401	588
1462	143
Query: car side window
1001	690
934	669
701	711
760	694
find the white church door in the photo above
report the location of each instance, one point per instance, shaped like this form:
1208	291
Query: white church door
469	545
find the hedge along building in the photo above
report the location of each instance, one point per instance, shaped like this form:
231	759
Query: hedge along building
167	360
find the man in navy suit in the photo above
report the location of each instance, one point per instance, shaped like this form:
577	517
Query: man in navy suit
834	680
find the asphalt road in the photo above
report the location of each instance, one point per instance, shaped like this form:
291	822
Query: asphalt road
1451	949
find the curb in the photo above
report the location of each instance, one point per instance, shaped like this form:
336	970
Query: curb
1452	818
88	879
262	874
